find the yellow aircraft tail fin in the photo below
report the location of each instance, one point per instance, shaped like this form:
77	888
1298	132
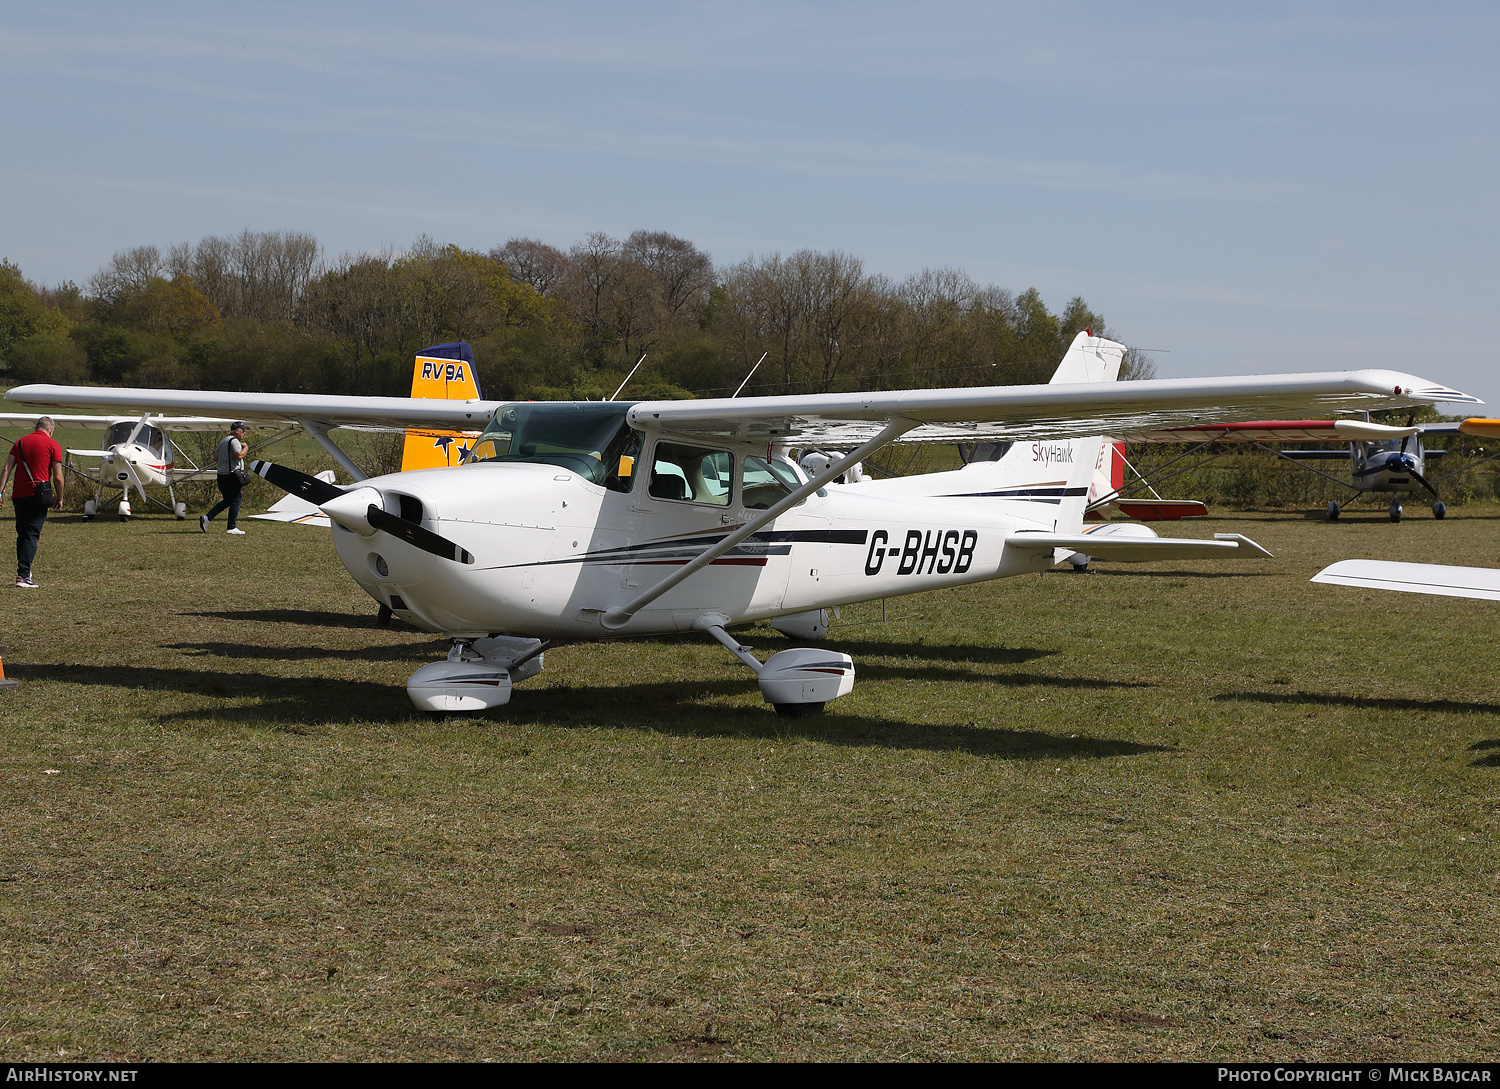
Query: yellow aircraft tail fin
445	371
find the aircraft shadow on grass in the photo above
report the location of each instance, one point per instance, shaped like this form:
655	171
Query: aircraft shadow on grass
304	617
1490	761
398	652
969	653
652	704
282	700
1118	572
291	704
1384	704
1374	703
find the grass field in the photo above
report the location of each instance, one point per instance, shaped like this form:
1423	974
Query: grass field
1202	811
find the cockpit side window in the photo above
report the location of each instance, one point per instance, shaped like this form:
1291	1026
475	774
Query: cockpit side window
766	483
690	474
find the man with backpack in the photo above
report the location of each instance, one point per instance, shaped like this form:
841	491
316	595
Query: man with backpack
37	463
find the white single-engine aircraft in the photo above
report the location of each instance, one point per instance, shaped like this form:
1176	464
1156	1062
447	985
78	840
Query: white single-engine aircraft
602	520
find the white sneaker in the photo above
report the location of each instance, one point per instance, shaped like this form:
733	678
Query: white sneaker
236	532
203	522
24	582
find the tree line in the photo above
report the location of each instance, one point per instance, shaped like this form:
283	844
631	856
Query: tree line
264	311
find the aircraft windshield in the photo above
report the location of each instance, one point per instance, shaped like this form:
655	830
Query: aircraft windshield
150	437
591	438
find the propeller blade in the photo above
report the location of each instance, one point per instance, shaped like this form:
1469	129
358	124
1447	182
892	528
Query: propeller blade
292	482
1422	480
416	535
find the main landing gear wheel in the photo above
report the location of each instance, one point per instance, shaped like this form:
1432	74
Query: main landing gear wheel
1395	511
1333	510
798	710
1439	510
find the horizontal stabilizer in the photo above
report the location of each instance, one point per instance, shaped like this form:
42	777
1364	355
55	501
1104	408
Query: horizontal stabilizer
1414	578
1161	510
1224	546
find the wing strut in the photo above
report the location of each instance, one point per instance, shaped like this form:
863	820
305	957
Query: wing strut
617	616
319	431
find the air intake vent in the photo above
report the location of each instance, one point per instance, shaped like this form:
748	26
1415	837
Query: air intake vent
380	567
411	508
397	605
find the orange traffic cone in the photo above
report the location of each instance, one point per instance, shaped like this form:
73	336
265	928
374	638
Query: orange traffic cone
3	682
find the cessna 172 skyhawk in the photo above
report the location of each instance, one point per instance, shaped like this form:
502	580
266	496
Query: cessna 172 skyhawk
601	520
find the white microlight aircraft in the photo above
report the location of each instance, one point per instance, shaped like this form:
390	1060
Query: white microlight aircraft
136	452
601	520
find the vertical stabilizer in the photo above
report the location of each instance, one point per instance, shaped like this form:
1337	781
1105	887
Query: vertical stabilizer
445	371
1090	359
1079	461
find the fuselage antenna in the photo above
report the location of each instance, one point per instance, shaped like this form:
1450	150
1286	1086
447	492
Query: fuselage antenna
749	376
629	376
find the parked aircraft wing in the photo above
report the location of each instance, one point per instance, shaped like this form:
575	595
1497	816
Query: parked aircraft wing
1065	410
1414	578
1140	549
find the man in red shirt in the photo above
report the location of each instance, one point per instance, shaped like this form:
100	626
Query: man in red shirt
35	460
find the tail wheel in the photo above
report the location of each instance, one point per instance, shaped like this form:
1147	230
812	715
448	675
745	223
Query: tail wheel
1333	510
1439	510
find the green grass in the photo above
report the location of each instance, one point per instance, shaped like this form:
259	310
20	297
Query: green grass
1196	811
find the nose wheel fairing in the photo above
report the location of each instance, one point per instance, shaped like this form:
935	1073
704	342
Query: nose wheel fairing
477	675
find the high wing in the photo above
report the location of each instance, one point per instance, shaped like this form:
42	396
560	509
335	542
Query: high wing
1067	410
1414	578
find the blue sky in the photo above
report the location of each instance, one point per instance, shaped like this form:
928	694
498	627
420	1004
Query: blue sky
1244	188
